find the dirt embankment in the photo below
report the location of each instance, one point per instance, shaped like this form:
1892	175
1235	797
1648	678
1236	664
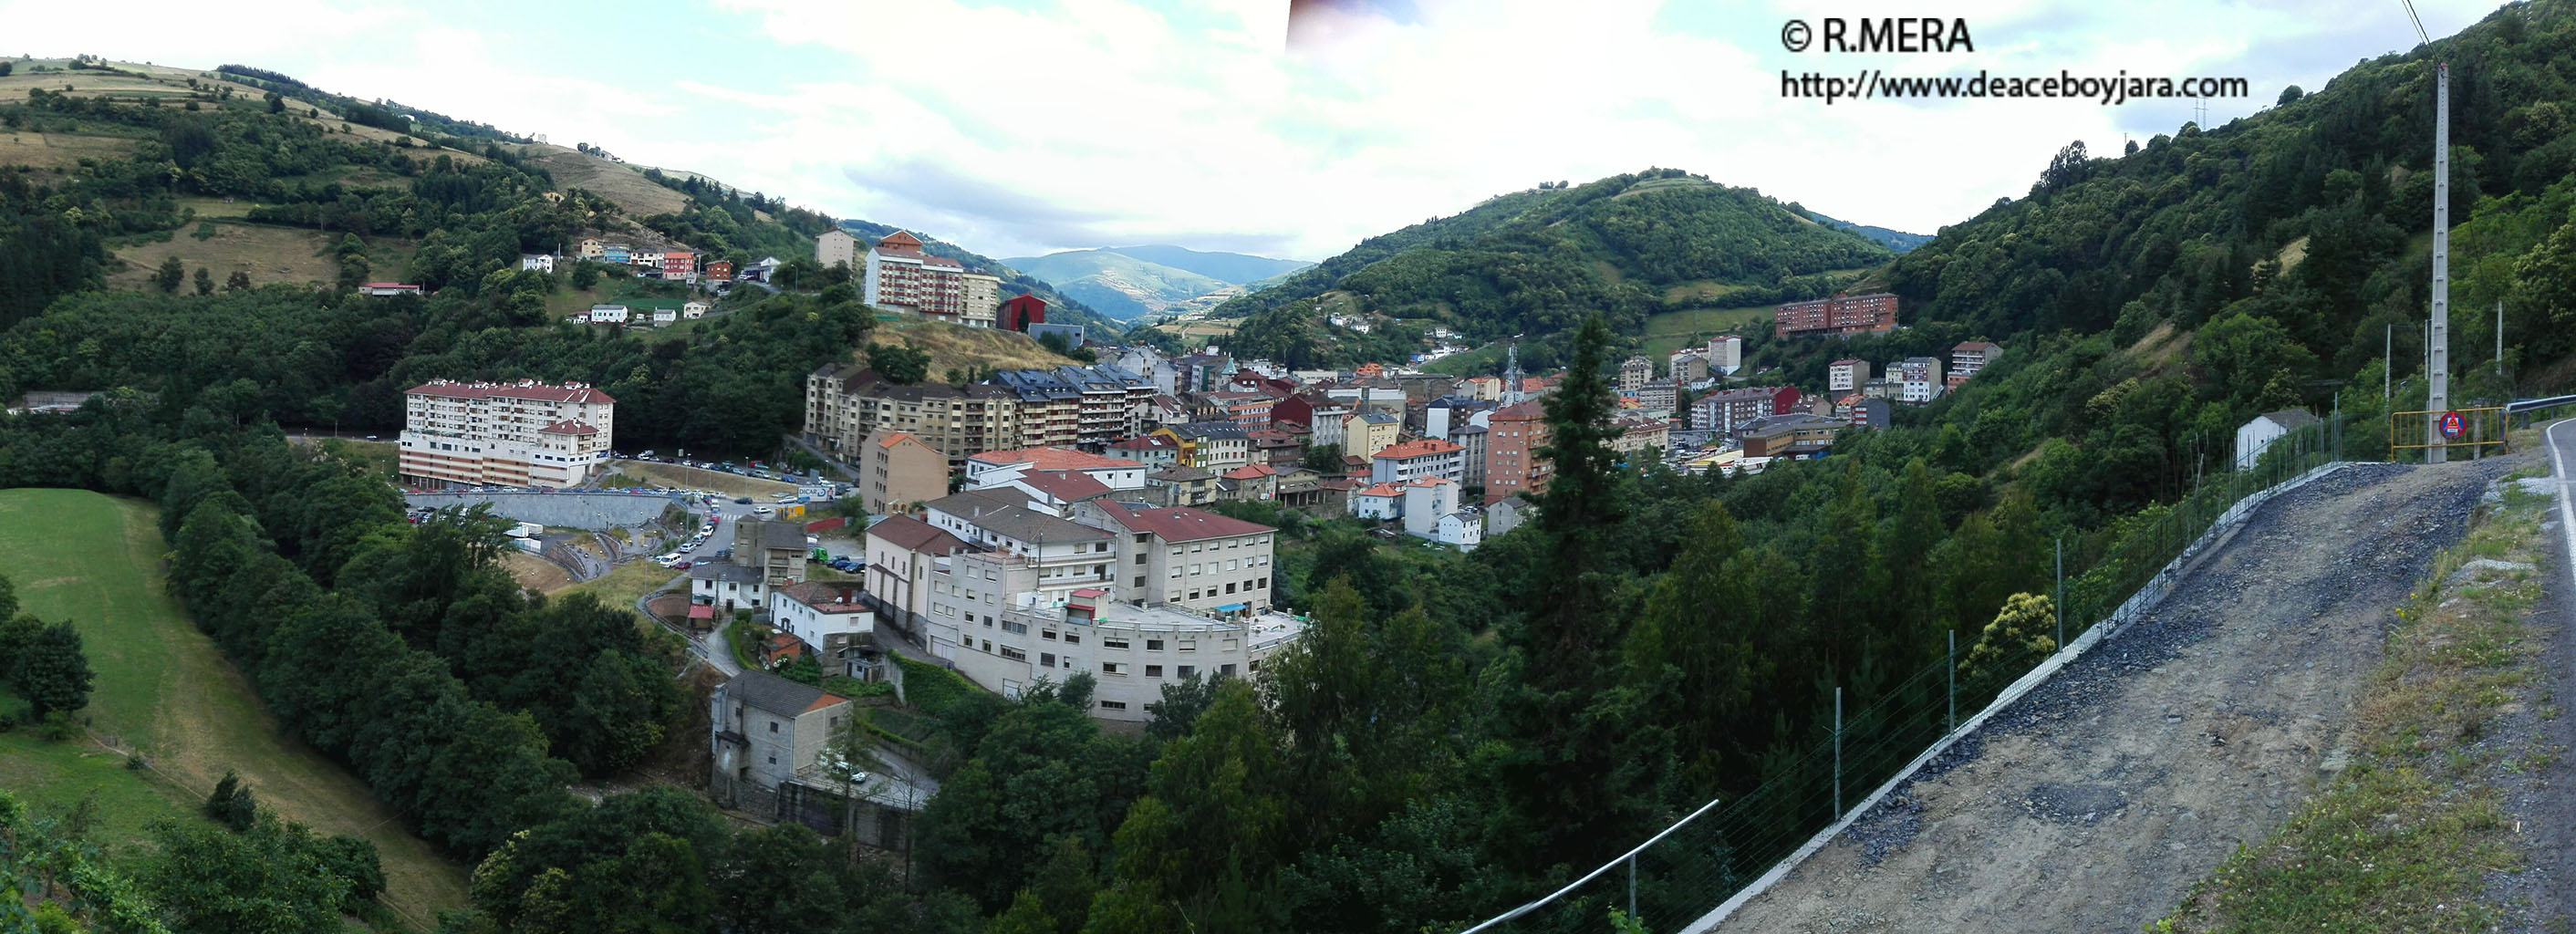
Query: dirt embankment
2095	801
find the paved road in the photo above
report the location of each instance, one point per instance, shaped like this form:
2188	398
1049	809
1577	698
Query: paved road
705	647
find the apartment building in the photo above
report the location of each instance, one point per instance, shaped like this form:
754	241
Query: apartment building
525	433
1726	354
1634	373
830	617
1723	411
1918	379
983	299
847	403
1841	314
1185	557
1846	375
1131	651
1513	436
897	274
1429	457
1969	357
896	469
836	247
1078	405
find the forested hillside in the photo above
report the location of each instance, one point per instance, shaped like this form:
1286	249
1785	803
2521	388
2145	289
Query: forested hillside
1533	262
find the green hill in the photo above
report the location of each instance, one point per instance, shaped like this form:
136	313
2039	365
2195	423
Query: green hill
1532	262
1120	285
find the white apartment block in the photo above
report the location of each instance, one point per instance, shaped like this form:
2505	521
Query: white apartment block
525	433
1919	379
1131	651
1846	375
983	299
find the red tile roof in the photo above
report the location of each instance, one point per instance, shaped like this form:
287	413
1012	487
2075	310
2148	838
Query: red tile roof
1378	489
523	389
1181	523
895	438
1251	472
568	428
701	611
1054	459
1422	448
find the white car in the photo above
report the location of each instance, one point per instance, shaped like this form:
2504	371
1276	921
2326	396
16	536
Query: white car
762	511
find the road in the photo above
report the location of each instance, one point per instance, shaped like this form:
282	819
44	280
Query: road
2095	801
715	654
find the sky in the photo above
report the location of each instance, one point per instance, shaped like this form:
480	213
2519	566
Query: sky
1019	128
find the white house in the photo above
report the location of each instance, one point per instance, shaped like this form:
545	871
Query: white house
829	617
665	317
538	261
608	314
1466	530
1377	501
2254	436
694	310
1426	499
727	587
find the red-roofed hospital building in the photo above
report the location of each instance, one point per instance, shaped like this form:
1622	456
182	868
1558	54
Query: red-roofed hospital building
525	433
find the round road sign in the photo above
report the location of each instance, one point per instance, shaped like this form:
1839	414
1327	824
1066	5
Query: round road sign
2453	425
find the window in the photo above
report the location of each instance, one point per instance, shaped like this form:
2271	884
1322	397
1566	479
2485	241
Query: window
1153	671
1140	557
773	760
834	723
1048	633
773	726
1225	669
988	645
1195	568
1108	668
1254	665
1014	654
1113	705
1072	639
1047	659
1189	645
1100	546
1188	670
1139	583
1229	586
1113	643
1016	628
1194	595
1172	597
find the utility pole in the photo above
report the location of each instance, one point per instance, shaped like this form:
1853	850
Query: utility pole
2500	339
2438	353
2387	359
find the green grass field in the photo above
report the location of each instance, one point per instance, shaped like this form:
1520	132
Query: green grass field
1675	330
164	689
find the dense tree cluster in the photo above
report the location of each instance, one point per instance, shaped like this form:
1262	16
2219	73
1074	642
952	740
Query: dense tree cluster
402	650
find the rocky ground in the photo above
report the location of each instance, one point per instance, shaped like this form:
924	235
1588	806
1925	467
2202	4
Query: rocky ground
2095	801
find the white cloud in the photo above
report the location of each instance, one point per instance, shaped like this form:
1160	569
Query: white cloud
1077	123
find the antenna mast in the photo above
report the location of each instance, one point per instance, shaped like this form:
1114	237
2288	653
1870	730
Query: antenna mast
2438	372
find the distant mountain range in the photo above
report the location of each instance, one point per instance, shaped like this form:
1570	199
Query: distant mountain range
1897	240
1133	281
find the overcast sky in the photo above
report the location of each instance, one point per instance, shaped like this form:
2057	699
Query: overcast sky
1019	128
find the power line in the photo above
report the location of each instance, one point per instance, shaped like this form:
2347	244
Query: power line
2417	20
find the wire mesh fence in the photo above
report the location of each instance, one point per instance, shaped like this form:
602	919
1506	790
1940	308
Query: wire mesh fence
1697	864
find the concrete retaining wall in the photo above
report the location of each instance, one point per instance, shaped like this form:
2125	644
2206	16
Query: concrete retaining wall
594	511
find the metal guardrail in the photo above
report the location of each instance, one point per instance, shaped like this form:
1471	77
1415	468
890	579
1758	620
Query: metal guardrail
2520	406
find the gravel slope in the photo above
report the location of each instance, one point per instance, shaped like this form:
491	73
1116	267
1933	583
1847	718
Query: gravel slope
2094	801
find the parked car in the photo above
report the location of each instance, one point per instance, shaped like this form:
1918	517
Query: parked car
682	566
742	499
763	511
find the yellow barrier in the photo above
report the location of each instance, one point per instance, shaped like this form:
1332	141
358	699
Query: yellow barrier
2474	430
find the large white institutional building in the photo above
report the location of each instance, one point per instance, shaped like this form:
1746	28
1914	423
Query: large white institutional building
525	433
